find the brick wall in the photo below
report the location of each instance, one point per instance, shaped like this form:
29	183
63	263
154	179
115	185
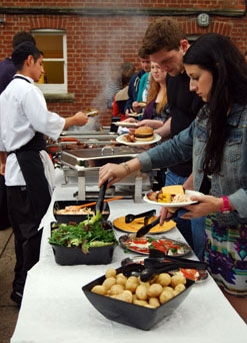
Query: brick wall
101	36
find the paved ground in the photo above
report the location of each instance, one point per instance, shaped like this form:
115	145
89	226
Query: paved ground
8	309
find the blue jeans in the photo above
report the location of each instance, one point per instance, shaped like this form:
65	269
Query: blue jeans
198	233
183	225
193	232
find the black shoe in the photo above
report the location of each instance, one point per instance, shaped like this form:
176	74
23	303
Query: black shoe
16	297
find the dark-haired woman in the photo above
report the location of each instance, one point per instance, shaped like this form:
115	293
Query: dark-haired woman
217	140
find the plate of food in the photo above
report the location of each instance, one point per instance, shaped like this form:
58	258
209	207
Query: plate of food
143	245
125	124
135	115
171	196
141	136
142	104
135	225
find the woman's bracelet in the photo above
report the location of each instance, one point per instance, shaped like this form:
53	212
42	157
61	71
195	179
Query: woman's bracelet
125	165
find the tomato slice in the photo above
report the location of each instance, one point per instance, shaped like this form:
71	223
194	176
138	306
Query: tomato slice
191	274
159	246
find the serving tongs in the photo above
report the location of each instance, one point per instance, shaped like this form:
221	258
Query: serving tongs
147	227
153	266
100	201
92	113
131	217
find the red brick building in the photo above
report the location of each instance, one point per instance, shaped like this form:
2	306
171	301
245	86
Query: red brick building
87	40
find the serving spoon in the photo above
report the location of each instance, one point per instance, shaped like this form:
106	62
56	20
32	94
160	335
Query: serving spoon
78	207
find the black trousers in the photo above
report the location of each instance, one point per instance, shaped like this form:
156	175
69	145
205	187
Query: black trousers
25	224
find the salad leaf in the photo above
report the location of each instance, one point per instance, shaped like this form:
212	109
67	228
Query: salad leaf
93	232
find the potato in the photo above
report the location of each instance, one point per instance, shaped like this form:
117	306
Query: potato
155	290
121	279
168	289
165	296
124	296
99	289
176	279
164	279
141	292
154	302
144	283
140	302
116	289
131	283
110	272
109	282
180	288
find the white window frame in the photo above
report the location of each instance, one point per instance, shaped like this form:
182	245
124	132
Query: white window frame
56	88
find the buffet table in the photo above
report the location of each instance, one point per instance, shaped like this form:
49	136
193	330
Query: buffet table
54	308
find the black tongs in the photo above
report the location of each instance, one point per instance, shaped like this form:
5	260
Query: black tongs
148	214
154	266
147	227
100	201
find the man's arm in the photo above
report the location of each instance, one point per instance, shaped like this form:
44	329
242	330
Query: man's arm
3	157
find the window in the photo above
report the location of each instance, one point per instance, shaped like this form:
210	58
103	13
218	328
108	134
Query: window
53	45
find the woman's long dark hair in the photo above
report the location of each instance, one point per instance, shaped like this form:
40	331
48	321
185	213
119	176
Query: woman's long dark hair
220	56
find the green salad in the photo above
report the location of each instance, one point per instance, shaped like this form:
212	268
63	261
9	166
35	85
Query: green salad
91	233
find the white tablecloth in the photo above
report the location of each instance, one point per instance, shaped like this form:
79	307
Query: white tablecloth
54	308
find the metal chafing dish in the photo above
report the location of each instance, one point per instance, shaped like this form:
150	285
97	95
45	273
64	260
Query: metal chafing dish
97	137
73	140
85	164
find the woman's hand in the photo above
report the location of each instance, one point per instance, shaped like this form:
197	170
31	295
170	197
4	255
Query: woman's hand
116	172
130	120
155	124
136	107
164	214
206	204
111	172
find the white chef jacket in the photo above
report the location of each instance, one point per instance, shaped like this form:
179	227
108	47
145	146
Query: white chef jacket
23	112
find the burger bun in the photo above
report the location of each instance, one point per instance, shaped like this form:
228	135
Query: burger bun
144	133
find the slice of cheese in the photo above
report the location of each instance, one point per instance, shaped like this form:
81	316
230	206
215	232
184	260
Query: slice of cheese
172	190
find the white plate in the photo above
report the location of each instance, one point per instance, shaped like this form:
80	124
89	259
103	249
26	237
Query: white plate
175	204
125	124
157	138
135	115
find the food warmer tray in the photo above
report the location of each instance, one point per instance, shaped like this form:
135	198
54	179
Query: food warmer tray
95	135
95	158
85	164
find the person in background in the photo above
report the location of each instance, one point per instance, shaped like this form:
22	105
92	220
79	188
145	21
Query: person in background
156	114
135	80
7	71
121	97
28	170
164	41
216	140
143	88
117	84
155	111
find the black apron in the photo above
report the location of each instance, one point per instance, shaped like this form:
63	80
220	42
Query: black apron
33	172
